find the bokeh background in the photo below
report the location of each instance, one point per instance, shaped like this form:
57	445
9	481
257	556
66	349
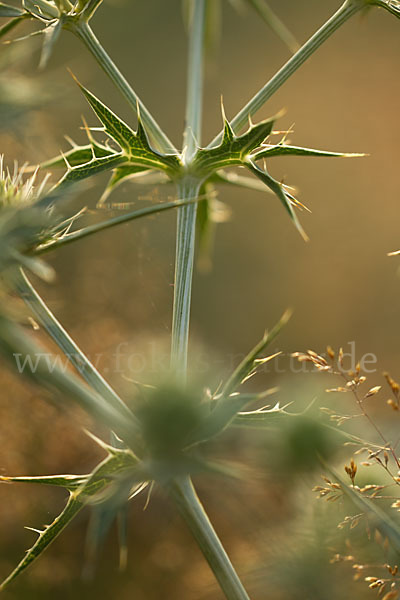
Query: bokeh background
114	294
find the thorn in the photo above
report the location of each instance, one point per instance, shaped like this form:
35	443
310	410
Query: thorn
87	129
290	130
74	77
98	441
151	486
69	167
94	128
70	141
38	531
223	109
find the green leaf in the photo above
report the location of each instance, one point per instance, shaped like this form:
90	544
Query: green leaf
246	367
392	6
232	178
287	199
135	145
69	482
78	155
238	151
117	463
233	150
118	176
285	150
10	11
96	165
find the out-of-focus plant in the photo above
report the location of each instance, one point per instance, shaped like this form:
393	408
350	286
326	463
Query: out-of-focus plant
372	475
160	441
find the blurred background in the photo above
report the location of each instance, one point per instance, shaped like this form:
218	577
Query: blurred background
113	293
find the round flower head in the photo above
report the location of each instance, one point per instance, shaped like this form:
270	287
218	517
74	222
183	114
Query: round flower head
14	190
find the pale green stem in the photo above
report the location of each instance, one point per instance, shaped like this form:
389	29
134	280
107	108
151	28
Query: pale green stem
194	89
198	522
278	26
347	10
80	234
188	188
15	343
64	341
84	32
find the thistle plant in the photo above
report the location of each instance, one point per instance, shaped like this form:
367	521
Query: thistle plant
159	442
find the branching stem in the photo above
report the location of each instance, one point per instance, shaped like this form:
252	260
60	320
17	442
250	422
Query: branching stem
347	10
188	187
84	32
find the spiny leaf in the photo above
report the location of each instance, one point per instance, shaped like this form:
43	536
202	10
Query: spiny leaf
113	125
77	156
96	165
10	11
119	462
46	537
263	417
69	482
248	363
233	150
232	178
118	176
135	145
393	6
285	150
278	189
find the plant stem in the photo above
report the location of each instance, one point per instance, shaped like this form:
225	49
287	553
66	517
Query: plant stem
347	10
188	187
193	513
194	89
80	234
275	23
16	344
64	341
84	32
